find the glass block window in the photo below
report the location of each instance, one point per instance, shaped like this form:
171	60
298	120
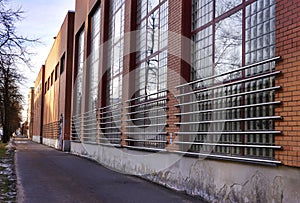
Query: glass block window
93	61
111	113
79	57
151	45
147	119
116	36
62	63
78	85
259	45
230	109
91	79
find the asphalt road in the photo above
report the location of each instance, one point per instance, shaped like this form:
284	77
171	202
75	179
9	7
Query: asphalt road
47	175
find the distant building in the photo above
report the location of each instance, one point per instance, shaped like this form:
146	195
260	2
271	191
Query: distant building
197	95
57	85
38	107
53	90
30	113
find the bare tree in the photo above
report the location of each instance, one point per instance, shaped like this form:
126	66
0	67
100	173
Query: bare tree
13	52
10	100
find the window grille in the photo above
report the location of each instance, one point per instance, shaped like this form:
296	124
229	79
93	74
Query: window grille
110	125
225	120
146	122
227	110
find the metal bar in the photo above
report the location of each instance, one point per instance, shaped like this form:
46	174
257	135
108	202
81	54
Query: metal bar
110	144
88	142
154	141
116	127
231	157
146	148
232	71
105	107
79	121
229	145
152	125
146	133
91	111
110	122
78	115
89	116
228	96
76	118
224	132
145	103
107	112
229	84
113	133
90	138
146	118
90	133
232	120
152	109
90	124
89	119
101	118
229	108
116	139
161	91
90	129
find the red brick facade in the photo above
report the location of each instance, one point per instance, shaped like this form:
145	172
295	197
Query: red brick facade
38	103
178	68
288	47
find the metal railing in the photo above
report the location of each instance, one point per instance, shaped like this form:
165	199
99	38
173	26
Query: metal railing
51	130
85	127
109	118
146	122
230	119
90	127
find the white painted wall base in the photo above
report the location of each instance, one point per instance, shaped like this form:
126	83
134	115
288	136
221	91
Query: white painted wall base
51	142
36	138
215	181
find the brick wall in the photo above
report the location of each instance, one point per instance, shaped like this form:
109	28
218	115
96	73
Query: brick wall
288	47
178	69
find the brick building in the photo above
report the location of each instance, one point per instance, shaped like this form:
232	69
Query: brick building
55	93
38	106
198	95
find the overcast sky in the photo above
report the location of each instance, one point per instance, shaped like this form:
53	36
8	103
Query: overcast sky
42	20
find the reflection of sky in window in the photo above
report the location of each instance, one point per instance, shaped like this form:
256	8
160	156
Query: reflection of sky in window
152	4
92	79
117	21
116	88
116	59
79	80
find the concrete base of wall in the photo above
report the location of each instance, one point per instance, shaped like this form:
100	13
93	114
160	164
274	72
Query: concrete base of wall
216	181
36	138
51	142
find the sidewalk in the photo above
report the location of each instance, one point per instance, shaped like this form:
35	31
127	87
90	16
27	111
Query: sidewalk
47	175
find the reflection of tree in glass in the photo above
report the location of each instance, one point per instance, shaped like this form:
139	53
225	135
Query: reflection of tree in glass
228	45
223	6
152	46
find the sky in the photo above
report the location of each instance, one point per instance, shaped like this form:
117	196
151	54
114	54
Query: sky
42	20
